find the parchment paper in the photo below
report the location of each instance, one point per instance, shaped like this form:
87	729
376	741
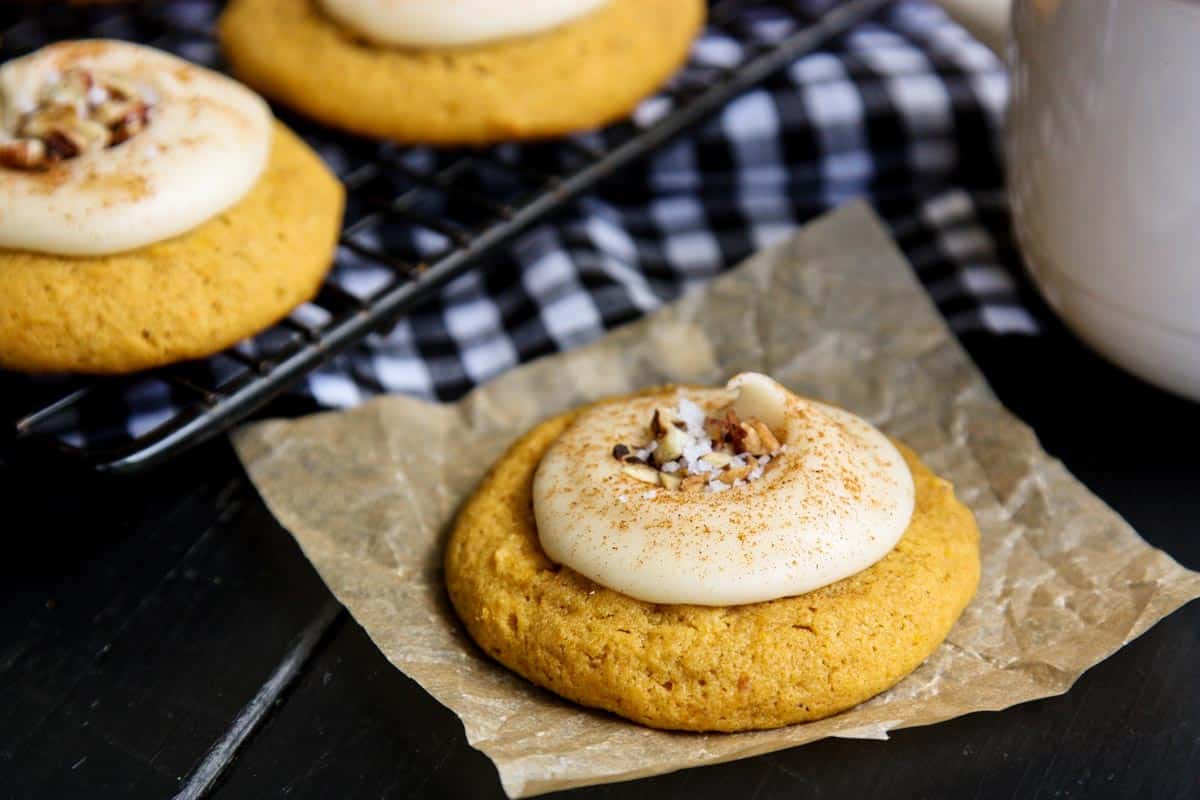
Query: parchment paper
834	313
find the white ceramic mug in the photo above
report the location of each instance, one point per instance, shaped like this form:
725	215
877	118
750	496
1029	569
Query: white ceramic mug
1103	151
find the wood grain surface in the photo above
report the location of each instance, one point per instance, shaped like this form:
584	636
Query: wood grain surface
164	636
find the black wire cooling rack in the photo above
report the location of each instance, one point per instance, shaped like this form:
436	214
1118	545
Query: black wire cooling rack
452	208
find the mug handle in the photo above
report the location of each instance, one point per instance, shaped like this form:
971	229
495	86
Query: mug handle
987	20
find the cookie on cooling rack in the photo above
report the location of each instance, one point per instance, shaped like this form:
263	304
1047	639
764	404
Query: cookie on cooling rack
151	211
427	71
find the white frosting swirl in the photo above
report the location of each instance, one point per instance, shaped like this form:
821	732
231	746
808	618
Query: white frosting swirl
834	502
205	146
451	23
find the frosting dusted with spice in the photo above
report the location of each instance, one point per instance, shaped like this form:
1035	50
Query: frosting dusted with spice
108	146
833	498
451	23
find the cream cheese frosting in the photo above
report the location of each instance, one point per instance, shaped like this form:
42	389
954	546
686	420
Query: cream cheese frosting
453	23
833	498
204	143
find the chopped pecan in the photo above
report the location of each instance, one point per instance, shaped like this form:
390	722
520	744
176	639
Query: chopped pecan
641	472
769	443
745	438
733	474
717	458
71	90
77	113
670	436
131	123
60	145
669	481
23	154
670	445
120	89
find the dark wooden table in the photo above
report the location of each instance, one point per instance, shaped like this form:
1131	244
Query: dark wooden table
164	635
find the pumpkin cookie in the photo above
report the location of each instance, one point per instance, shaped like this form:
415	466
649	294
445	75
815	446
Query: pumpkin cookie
703	667
578	75
202	224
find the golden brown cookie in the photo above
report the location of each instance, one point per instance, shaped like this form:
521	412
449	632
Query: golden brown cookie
182	298
581	75
695	667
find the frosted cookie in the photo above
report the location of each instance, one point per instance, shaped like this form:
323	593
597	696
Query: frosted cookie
150	211
712	560
427	71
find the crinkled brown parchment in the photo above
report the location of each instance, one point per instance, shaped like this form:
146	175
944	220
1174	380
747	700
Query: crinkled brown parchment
834	313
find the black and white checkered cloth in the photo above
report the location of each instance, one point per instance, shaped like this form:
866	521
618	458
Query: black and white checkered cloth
904	110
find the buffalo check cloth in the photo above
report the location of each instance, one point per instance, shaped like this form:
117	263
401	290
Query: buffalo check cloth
904	109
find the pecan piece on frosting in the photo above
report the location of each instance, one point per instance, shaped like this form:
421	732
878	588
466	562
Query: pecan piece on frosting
22	154
61	145
64	132
642	472
72	90
689	451
767	441
132	119
737	472
77	113
718	458
670	437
